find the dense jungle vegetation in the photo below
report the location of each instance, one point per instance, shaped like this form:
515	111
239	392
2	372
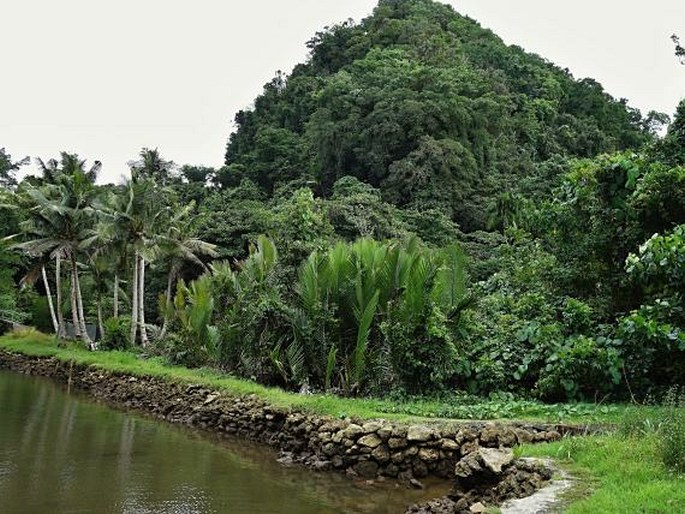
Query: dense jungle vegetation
419	209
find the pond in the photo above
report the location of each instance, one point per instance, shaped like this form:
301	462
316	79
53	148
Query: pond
63	453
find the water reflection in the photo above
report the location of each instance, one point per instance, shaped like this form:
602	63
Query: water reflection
60	453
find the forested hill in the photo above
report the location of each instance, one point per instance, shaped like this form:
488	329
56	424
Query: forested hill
429	107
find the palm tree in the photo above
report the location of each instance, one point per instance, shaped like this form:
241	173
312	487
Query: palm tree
150	165
60	215
139	219
178	246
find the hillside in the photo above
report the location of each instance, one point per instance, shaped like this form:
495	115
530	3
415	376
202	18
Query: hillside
429	107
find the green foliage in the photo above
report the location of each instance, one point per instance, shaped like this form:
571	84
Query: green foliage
194	340
427	106
300	227
252	316
655	332
116	336
381	315
8	169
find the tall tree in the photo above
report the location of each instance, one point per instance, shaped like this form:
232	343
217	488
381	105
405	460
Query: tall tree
60	224
8	169
178	246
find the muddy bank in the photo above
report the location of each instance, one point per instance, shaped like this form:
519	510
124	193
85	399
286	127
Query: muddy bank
368	449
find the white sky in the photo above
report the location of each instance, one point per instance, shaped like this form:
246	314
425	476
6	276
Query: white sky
105	78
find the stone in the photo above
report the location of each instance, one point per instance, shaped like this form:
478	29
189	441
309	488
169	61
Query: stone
469	447
332	426
399	431
366	469
419	468
370	441
467	466
384	432
495	459
415	484
449	445
397	442
381	454
371	427
428	455
391	470
337	437
352	432
420	433
523	436
330	449
411	451
397	457
477	508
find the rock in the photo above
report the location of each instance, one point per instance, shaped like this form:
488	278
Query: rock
397	442
391	470
523	436
467	466
370	440
420	433
469	447
495	460
428	455
366	469
381	454
415	484
397	457
211	398
352	432
384	432
449	445
477	508
419	468
371	427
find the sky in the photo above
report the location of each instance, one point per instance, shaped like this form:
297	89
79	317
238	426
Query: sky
105	79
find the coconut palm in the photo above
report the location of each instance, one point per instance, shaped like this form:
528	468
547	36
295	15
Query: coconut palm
150	165
139	218
58	224
178	246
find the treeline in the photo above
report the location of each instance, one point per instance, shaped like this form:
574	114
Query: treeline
417	208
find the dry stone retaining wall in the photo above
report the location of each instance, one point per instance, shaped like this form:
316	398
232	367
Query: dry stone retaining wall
369	449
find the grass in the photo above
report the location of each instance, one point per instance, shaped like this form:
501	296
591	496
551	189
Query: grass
622	474
453	406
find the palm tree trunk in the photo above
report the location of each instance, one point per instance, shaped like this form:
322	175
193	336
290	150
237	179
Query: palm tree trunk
79	304
74	308
134	301
141	302
169	286
61	332
55	325
101	327
116	295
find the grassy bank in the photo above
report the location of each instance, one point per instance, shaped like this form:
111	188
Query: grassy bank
619	473
454	406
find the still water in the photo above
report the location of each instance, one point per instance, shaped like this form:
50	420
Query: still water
63	453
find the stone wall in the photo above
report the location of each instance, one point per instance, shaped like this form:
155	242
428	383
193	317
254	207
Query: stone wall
369	449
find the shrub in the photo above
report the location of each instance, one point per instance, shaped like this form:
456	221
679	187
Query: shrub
194	340
580	368
117	333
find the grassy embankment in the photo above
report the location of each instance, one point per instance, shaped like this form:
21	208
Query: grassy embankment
459	407
620	473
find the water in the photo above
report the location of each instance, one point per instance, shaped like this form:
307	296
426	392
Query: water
62	453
